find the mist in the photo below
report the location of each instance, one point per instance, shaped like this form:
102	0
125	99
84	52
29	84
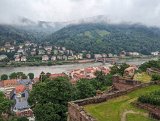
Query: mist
136	11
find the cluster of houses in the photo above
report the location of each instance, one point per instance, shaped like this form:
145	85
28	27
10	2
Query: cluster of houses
87	73
18	90
46	52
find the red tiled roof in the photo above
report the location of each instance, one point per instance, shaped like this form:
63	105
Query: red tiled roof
20	88
57	75
11	82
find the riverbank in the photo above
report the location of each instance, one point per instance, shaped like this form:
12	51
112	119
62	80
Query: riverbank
47	63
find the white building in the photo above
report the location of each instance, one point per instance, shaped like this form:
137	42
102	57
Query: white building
45	58
155	53
23	59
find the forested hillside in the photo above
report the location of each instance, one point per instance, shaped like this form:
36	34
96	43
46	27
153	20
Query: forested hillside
97	38
108	38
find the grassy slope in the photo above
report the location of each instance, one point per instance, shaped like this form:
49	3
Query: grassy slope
143	77
135	117
113	109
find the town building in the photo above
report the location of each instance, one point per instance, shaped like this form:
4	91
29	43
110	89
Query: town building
45	58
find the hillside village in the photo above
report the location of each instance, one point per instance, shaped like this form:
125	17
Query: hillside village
31	52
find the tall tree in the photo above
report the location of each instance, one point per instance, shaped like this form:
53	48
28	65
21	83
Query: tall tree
5	105
85	89
31	75
49	99
4	77
13	75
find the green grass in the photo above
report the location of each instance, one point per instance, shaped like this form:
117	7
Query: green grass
136	117
143	77
112	110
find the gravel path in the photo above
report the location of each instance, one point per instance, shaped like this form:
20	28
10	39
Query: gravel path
124	115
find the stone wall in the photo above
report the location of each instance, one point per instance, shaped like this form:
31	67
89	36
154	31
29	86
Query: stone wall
77	113
154	111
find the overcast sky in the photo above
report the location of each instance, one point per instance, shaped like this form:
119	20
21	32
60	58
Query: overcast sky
141	11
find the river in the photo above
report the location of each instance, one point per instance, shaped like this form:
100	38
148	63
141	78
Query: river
62	68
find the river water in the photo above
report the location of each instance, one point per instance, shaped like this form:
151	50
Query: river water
62	68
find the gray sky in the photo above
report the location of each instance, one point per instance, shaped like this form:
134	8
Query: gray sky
141	11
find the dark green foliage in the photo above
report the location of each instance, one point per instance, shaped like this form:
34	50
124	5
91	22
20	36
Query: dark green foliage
22	119
122	67
85	89
49	99
31	75
149	64
152	98
155	77
18	75
13	76
115	69
5	105
107	38
4	77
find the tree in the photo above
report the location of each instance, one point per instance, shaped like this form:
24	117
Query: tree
22	119
13	75
114	69
31	75
122	68
100	76
21	75
85	89
49	99
43	76
4	77
155	77
5	105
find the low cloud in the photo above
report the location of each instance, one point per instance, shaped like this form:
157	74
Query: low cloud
136	11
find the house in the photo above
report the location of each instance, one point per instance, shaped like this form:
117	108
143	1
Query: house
45	58
7	44
71	52
26	82
17	59
8	50
41	52
23	59
53	58
97	56
21	46
57	75
20	50
61	52
64	57
33	53
110	55
8	86
104	55
21	106
130	71
59	57
12	49
70	57
3	57
122	54
63	48
48	48
80	56
133	54
155	53
27	43
88	56
2	49
55	52
49	52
